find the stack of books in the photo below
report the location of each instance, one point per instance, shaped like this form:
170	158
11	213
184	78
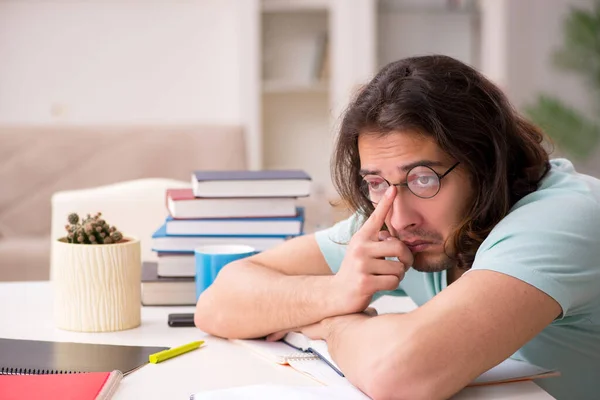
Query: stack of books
254	208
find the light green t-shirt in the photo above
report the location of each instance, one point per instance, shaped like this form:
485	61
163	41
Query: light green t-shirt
551	240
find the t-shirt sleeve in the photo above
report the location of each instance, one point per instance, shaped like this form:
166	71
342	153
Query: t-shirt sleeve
551	244
334	241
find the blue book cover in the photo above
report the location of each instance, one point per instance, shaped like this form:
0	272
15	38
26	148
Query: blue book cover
164	243
268	226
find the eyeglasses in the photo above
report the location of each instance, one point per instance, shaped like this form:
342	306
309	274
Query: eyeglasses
421	180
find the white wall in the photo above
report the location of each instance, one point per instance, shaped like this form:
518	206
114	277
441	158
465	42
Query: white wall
120	62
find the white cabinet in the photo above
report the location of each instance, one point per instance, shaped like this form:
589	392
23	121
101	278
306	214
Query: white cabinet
309	57
312	54
295	90
407	28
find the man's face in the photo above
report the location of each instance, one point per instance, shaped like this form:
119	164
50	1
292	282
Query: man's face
422	224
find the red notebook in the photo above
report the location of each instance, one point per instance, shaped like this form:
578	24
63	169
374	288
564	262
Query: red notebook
85	386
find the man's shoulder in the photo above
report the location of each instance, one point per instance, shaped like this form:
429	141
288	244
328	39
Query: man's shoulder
564	211
564	194
549	240
563	181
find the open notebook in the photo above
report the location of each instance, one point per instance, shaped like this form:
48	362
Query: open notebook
317	348
312	358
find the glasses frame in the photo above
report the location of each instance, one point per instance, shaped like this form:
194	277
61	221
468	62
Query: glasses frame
405	184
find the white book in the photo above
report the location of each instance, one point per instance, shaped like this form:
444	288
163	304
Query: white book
182	204
163	243
176	265
263	183
166	291
272	226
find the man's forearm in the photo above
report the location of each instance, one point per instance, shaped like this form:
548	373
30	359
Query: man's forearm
377	355
249	301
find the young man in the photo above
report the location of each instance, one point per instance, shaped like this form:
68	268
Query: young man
456	203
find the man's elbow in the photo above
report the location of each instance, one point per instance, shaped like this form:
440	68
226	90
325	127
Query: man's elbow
393	377
398	389
379	387
211	315
205	319
212	319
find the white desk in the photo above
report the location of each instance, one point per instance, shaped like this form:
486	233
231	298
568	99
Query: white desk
26	313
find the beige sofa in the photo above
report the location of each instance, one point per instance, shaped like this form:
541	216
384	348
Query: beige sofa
37	162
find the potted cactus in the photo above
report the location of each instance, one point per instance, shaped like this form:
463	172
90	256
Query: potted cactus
96	273
92	230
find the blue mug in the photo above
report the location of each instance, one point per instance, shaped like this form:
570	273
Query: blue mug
212	258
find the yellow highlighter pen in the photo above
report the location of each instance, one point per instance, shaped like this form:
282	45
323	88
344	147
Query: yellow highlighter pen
174	352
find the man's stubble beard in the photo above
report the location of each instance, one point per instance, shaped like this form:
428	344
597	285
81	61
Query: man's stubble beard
433	262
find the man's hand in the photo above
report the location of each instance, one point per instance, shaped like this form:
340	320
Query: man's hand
365	270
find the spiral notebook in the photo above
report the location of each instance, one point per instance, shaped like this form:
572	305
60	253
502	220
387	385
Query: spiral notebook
31	357
307	356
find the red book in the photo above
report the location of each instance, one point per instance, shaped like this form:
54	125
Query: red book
182	204
85	386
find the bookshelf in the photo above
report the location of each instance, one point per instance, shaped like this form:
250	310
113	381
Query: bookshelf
307	51
295	91
307	57
433	26
294	5
294	51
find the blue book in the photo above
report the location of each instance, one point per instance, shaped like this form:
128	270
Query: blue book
270	226
164	243
265	183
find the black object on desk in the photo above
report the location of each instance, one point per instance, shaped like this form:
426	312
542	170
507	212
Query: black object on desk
30	357
181	320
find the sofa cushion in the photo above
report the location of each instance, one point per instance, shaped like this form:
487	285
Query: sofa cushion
36	162
25	258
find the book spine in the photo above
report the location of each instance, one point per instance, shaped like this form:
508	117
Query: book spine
31	371
110	386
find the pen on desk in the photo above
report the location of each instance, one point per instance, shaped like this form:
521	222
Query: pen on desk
173	352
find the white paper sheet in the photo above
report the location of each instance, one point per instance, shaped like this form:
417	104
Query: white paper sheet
510	370
272	392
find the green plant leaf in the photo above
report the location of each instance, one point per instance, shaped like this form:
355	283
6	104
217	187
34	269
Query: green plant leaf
573	132
580	50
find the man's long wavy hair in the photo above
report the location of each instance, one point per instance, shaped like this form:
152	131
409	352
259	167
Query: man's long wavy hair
468	117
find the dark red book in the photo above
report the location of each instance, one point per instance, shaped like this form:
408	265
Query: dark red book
182	204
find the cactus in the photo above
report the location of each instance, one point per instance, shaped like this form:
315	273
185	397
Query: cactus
73	218
91	230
